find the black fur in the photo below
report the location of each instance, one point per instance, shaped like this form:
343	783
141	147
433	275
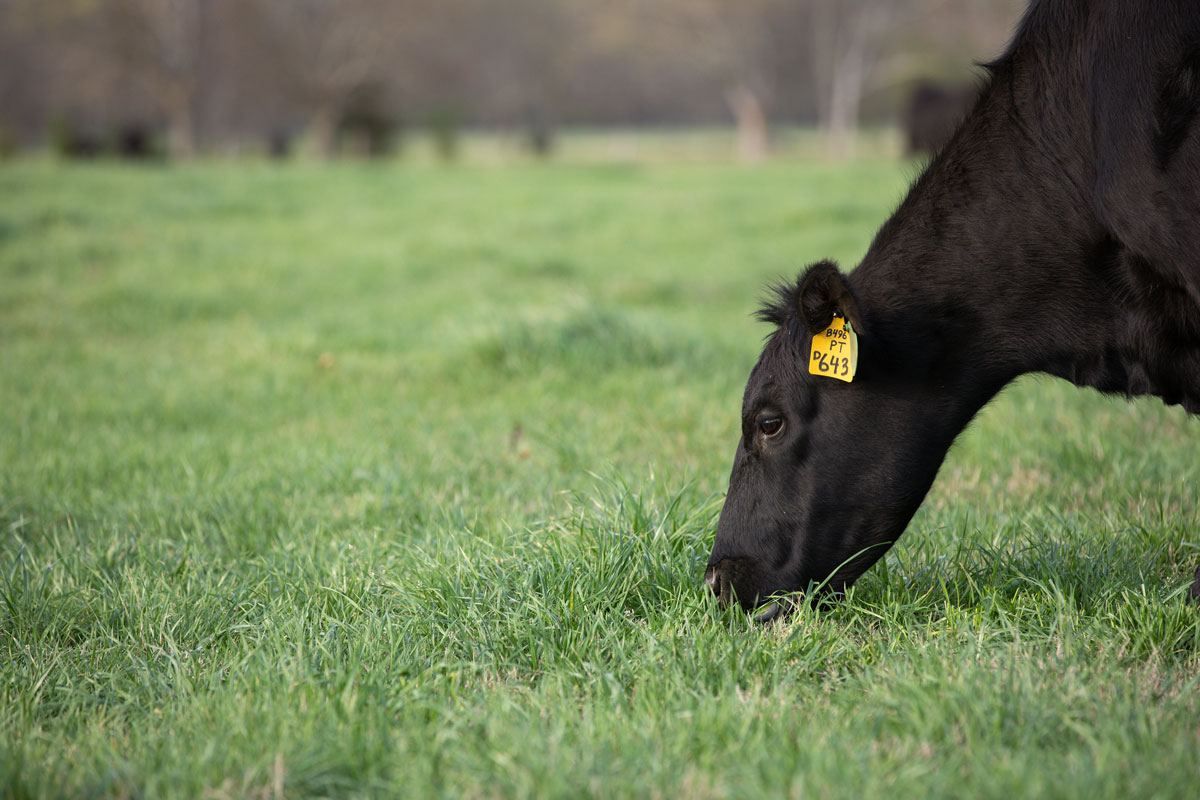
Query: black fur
1058	231
1178	102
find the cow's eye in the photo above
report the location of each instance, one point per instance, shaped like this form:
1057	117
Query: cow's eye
770	426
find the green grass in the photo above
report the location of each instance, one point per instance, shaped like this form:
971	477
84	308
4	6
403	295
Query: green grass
344	481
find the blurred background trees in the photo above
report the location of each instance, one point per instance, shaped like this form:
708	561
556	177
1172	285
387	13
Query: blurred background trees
185	76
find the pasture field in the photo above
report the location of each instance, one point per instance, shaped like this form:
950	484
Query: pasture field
367	481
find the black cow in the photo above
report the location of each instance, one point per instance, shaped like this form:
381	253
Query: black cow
1058	231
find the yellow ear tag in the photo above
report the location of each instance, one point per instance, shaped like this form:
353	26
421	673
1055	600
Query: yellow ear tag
835	351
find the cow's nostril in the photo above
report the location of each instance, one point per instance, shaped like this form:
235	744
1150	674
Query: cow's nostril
712	581
717	583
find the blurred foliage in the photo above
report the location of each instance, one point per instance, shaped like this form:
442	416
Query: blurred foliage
9	142
445	126
224	73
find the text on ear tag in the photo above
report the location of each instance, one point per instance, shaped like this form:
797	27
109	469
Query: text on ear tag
835	351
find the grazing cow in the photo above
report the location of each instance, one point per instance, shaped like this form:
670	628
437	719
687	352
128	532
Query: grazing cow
1058	231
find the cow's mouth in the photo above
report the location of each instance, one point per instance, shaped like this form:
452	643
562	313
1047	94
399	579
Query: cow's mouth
732	579
778	609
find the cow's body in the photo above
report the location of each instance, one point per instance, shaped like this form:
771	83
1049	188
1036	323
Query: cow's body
1057	232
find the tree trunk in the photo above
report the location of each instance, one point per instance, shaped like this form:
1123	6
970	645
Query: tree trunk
322	128
181	125
844	46
845	97
752	145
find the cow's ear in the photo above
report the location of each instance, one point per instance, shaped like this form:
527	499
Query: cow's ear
823	291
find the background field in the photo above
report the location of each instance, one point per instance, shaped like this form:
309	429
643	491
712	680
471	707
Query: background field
398	481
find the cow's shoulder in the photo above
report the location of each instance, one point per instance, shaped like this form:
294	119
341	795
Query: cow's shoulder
1142	87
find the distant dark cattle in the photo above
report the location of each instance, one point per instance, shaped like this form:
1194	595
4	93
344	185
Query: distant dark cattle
279	144
1058	232
367	126
933	112
134	142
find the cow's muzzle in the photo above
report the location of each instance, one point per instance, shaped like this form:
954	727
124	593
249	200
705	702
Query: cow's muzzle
730	580
716	578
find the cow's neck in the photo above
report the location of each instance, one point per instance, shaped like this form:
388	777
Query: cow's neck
995	265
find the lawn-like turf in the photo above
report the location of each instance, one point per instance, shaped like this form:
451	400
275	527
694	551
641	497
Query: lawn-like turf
399	481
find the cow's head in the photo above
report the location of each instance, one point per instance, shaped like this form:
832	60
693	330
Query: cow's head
827	474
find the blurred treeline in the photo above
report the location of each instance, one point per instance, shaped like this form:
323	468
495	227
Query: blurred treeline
186	76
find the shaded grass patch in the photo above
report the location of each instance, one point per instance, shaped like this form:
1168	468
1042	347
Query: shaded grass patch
586	339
